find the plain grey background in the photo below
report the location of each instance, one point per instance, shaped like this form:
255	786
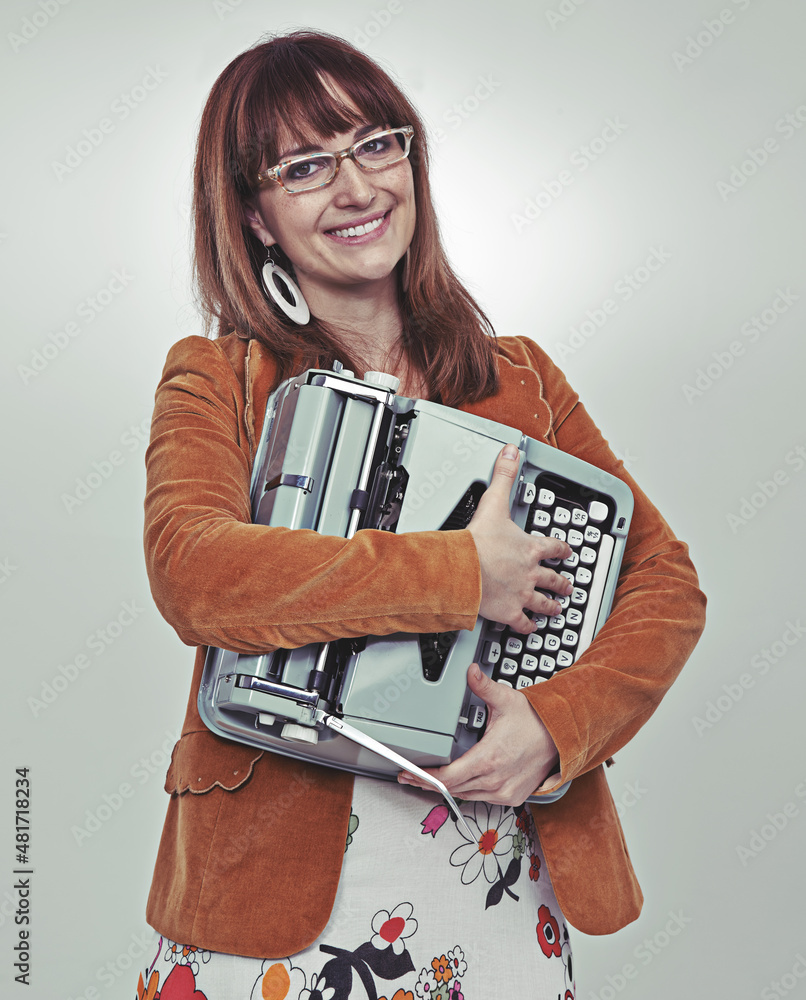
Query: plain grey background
586	153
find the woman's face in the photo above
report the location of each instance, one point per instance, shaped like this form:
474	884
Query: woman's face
311	227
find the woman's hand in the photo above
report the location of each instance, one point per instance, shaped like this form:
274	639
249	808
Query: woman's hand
510	559
512	759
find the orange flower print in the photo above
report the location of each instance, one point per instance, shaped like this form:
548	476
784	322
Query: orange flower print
278	980
401	995
442	969
187	954
149	992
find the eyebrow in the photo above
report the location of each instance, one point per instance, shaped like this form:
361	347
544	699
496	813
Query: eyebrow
359	134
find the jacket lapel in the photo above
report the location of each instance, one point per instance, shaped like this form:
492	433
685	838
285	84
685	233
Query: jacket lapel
519	401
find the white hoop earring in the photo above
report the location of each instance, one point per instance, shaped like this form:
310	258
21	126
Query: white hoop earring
297	310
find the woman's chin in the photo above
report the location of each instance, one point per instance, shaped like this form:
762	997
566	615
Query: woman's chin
361	282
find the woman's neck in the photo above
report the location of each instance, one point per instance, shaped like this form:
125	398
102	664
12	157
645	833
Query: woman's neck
367	319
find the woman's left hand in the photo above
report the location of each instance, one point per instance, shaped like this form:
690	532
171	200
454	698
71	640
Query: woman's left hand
512	759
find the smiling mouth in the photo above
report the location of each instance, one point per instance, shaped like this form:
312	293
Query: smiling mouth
361	230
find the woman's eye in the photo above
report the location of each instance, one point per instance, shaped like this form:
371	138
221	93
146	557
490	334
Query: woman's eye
376	146
302	169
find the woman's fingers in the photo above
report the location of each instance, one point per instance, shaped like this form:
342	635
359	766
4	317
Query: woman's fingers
511	760
495	499
512	570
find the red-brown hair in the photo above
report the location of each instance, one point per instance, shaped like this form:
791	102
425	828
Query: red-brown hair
274	91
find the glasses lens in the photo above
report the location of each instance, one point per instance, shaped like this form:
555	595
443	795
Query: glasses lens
383	149
308	172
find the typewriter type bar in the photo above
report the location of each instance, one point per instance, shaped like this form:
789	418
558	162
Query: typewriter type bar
338	455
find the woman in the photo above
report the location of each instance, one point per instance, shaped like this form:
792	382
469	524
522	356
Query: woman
250	862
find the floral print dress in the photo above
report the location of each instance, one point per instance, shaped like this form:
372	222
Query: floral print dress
421	912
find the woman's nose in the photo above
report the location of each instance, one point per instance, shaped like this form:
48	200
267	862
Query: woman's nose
352	185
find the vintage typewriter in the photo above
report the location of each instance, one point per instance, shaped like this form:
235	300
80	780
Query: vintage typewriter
339	454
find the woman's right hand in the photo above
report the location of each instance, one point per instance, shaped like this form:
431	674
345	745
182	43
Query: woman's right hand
510	559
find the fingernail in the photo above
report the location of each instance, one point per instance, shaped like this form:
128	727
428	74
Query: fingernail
510	451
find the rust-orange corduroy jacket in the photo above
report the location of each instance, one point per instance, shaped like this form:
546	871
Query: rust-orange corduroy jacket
251	852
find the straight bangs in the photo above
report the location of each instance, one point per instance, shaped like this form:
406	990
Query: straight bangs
290	100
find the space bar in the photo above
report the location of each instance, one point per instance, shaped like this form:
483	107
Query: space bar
595	594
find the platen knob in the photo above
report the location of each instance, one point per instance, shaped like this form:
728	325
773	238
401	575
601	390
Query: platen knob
383	379
299	734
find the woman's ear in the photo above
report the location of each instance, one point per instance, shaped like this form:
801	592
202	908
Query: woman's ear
253	219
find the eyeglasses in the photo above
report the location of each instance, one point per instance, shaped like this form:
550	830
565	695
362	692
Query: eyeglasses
376	152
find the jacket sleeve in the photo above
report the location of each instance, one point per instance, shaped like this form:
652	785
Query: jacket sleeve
598	704
220	580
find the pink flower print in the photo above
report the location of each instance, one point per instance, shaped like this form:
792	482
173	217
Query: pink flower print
435	820
426	986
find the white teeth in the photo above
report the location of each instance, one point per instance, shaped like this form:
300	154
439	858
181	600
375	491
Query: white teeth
358	230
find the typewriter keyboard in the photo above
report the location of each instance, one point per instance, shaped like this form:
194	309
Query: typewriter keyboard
583	519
